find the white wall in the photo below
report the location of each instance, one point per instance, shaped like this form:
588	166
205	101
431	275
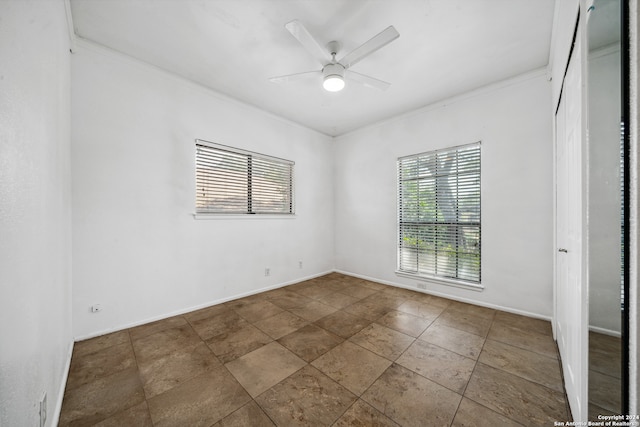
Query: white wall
512	120
604	189
35	210
137	249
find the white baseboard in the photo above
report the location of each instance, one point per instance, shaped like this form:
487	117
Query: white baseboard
451	297
604	331
197	307
291	282
63	385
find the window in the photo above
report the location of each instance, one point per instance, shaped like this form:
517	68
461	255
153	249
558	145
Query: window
232	181
439	214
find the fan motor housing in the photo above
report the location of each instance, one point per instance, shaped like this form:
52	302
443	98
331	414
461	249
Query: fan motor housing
333	70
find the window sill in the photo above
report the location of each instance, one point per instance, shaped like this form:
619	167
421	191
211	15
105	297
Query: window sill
443	281
243	216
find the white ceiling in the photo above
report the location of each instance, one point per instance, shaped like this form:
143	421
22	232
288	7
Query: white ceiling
446	47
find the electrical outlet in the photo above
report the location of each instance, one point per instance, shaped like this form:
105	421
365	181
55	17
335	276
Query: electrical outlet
43	409
421	285
267	271
96	308
300	264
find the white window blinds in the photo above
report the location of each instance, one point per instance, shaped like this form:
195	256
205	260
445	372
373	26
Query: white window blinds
439	214
232	181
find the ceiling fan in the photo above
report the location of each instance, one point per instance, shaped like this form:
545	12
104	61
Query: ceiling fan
335	71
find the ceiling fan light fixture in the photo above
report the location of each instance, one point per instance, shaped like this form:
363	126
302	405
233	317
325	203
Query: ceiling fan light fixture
333	83
333	72
333	77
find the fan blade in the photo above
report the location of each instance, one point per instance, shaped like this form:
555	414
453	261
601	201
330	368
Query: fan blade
305	38
367	81
293	77
367	48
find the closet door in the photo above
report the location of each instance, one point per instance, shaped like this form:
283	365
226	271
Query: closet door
571	291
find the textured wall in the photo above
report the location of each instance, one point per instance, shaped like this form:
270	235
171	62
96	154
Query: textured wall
513	122
35	209
137	249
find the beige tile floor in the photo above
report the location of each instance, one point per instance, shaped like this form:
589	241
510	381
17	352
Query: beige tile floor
335	350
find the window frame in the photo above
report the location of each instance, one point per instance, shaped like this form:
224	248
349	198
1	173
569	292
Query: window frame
251	157
401	231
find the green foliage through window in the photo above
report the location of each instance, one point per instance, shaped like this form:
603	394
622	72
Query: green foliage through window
439	213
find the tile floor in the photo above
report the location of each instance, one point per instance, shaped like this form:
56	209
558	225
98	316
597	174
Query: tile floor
335	350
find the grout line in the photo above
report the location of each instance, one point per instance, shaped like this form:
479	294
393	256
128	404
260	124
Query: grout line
379	292
459	403
528	350
523	348
479	354
144	392
346	410
477	361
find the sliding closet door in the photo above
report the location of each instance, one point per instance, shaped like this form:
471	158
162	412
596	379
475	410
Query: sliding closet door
571	292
